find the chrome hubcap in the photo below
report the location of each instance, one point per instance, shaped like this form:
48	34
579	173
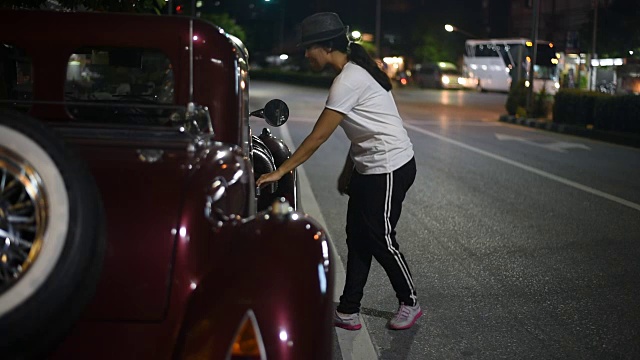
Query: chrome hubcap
22	217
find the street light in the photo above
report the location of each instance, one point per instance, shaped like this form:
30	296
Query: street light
534	37
592	73
451	28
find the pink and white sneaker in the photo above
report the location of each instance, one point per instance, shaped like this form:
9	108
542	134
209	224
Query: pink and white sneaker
347	321
405	317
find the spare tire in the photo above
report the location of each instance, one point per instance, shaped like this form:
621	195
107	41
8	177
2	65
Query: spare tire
52	237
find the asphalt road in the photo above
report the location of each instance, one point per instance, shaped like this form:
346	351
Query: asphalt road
523	244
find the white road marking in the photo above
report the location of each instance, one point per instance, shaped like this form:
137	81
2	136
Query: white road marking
561	146
558	146
529	168
354	345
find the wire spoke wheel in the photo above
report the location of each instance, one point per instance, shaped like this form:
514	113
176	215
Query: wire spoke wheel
23	209
52	237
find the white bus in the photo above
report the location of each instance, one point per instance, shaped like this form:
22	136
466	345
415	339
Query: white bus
495	63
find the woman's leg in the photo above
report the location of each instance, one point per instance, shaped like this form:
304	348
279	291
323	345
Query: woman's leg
388	255
374	209
359	256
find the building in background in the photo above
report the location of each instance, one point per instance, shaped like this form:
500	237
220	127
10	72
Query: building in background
567	24
560	20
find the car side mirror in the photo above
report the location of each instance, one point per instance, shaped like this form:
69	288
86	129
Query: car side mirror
276	112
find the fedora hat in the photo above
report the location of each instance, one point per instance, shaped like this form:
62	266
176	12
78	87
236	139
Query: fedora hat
320	27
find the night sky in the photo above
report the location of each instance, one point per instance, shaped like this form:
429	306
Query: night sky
401	19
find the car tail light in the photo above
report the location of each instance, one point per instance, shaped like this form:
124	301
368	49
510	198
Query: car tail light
247	343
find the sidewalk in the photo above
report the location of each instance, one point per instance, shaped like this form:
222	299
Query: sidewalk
619	138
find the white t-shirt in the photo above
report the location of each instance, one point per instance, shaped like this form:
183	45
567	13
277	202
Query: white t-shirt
379	141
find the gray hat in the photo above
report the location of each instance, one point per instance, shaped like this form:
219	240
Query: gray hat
320	27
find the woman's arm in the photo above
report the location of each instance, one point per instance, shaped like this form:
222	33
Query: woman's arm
324	127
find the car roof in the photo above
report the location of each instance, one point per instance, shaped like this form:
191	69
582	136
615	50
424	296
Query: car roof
96	28
49	37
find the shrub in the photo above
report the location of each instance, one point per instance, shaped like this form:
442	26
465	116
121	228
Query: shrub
517	98
517	101
541	104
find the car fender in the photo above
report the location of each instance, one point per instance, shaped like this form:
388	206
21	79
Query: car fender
280	269
287	185
201	247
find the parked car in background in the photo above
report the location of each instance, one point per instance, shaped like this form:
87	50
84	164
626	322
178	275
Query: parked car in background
441	75
131	224
426	75
452	79
402	78
468	82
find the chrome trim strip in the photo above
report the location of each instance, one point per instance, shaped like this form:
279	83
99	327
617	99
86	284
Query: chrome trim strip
95	103
191	56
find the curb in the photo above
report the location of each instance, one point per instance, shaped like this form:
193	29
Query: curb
353	345
619	138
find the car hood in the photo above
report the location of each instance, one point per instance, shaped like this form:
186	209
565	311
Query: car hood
142	190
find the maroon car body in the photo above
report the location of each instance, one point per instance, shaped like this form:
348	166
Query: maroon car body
190	255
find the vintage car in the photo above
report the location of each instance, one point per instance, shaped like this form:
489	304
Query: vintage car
130	224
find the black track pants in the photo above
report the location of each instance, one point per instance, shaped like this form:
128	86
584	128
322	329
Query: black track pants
375	203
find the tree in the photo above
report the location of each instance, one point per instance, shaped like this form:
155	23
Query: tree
227	23
138	6
432	49
433	43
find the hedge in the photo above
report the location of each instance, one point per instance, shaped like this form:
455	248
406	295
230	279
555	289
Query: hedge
602	111
618	113
318	80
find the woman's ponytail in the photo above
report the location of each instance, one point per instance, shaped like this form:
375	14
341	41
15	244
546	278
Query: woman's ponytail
359	55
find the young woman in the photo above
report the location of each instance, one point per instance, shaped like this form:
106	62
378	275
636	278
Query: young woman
379	169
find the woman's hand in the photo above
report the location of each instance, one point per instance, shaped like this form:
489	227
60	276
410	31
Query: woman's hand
343	182
324	127
266	179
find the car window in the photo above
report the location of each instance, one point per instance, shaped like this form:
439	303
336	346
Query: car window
15	76
119	85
